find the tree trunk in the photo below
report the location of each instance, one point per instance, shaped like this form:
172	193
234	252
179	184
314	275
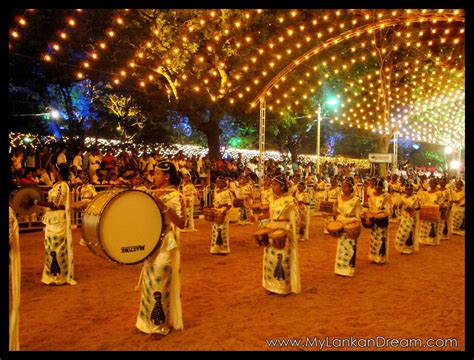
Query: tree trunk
293	147
212	131
214	142
384	143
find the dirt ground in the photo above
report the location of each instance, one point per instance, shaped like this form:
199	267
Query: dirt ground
418	296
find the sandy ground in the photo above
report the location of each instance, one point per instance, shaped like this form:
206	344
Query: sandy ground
225	307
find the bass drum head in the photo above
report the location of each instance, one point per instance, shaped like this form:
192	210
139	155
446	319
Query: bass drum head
130	227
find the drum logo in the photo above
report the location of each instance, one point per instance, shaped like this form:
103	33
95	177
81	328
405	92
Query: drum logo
133	248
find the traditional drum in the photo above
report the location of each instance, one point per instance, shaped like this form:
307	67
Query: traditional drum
352	230
278	238
261	236
430	213
208	213
23	200
256	209
327	206
238	203
335	228
381	220
124	226
219	216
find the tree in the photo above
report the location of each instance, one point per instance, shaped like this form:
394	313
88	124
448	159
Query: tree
130	119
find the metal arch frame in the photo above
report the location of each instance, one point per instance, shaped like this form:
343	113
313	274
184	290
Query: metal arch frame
428	16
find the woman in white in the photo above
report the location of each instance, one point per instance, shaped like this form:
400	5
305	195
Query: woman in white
395	190
189	192
349	210
302	197
15	281
379	202
406	240
333	194
246	193
457	214
59	260
220	232
320	192
160	304
428	232
266	195
445	209
281	268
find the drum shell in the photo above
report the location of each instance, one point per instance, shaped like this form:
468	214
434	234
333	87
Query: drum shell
335	228
430	213
278	238
208	213
218	216
261	236
93	231
327	206
367	223
381	221
352	230
238	203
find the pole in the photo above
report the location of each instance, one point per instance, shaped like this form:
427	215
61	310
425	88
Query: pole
395	153
261	144
318	140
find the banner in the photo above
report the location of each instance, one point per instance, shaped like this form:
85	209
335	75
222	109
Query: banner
380	158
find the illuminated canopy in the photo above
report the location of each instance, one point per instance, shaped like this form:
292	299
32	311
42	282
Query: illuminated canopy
396	69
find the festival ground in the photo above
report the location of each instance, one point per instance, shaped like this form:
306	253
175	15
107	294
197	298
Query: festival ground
225	307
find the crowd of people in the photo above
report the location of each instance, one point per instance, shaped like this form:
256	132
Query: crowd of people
425	209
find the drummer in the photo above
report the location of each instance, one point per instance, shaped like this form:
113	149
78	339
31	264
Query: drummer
349	210
302	197
395	190
333	194
445	208
380	203
428	232
86	192
406	240
457	213
220	232
320	191
160	304
266	196
189	192
59	261
246	193
281	269
15	281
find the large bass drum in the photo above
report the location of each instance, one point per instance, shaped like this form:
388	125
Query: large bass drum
124	226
